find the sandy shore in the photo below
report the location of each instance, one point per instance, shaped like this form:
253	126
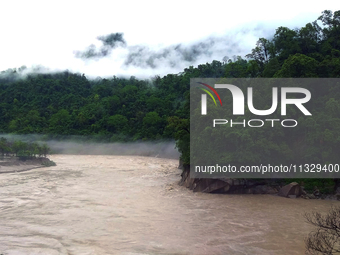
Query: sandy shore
15	165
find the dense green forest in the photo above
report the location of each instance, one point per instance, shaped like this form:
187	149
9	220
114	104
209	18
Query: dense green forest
119	109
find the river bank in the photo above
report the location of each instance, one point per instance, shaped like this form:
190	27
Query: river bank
253	186
15	164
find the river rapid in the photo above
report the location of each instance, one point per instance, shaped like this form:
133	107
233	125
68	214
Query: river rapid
132	205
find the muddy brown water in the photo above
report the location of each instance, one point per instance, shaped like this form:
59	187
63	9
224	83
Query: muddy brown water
133	205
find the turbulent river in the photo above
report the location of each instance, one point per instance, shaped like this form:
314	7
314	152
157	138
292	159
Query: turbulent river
133	205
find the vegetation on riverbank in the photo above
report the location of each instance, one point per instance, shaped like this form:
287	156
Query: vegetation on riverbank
29	154
22	149
325	238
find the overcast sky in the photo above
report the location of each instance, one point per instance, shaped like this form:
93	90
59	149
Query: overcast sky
154	37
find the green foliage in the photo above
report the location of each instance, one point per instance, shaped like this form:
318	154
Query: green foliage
23	149
180	130
117	123
298	66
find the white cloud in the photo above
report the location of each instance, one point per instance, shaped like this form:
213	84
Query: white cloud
48	32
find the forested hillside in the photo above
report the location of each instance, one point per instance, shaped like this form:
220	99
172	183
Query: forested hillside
70	104
118	109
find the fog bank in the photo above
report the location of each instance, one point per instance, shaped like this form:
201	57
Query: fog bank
85	146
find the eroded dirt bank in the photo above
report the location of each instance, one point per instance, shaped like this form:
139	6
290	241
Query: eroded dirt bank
15	165
133	205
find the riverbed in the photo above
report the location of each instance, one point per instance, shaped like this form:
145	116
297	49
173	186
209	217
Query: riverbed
96	204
